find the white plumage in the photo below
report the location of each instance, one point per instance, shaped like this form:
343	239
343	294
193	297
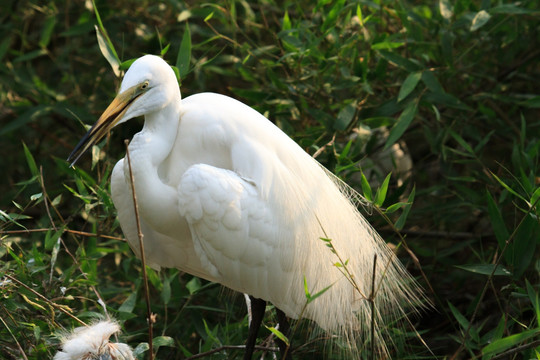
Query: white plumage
92	343
225	195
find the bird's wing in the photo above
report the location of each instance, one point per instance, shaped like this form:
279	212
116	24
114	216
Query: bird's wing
160	249
234	231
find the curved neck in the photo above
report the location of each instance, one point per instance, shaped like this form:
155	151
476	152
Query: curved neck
147	151
158	135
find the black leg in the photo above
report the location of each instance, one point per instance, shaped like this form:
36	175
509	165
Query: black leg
284	329
257	313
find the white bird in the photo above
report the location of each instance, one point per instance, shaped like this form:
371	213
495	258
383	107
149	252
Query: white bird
225	195
92	343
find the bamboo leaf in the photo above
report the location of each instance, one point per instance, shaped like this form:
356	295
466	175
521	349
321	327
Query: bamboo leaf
497	222
402	124
163	341
316	295
485	269
30	161
345	116
409	85
403	218
278	334
129	304
480	19
366	188
183	58
47	31
108	53
461	142
506	343
380	196
50	241
503	184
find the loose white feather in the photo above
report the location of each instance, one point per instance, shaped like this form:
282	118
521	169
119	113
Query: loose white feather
92	343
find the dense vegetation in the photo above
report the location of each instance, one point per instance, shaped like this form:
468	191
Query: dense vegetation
444	95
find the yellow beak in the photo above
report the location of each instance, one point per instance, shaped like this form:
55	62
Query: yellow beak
106	121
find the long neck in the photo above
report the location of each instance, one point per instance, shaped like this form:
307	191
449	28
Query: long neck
147	151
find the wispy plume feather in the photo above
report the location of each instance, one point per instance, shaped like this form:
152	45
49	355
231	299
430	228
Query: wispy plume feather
92	343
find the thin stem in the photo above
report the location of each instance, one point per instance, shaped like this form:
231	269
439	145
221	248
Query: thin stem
372	301
23	354
75	232
143	260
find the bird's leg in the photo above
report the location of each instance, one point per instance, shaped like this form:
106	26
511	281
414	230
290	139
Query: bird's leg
284	328
257	313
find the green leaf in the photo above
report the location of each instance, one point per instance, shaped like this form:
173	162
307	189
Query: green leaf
533	297
497	222
30	161
480	19
9	217
535	198
278	334
366	188
403	218
47	31
286	25
332	15
166	290
359	14
108	53
345	116
193	285
209	16
345	151
508	342
503	184
400	61
30	55
129	304
533	102
163	341
50	241
409	85
395	207
512	9
141	349
462	320
163	51
5	45
387	45
432	83
103	33
306	290
183	58
461	142
485	269
380	196
313	297
402	124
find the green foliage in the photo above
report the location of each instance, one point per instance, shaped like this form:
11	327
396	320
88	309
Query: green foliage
448	87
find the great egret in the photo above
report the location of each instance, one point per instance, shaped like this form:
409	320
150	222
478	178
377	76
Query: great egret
225	195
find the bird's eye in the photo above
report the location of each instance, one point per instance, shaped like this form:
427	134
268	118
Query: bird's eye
144	85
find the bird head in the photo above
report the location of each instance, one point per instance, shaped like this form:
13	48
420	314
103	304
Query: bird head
149	85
